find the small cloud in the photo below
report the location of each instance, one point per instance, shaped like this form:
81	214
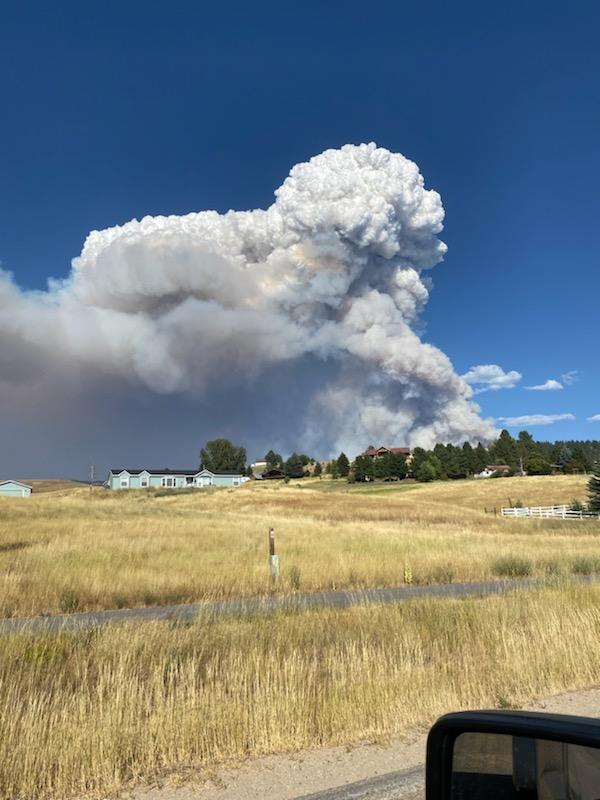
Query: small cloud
490	377
549	386
569	378
535	419
595	418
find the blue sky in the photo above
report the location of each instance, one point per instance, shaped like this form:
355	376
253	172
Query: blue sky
113	111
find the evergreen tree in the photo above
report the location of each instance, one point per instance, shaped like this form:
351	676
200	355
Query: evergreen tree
249	472
504	450
536	465
382	467
426	472
482	458
527	449
440	452
362	469
335	470
467	459
398	466
318	470
594	490
294	468
419	455
274	460
343	465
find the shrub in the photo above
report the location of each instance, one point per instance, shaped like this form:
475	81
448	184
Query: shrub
576	505
68	601
295	578
512	567
584	565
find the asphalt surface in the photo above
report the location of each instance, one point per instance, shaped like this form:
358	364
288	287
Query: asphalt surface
405	785
295	602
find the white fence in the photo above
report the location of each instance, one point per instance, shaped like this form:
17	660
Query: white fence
544	512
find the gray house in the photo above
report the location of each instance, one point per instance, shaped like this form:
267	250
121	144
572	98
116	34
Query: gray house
14	489
170	478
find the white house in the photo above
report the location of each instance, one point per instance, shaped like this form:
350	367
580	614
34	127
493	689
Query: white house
14	489
492	469
170	478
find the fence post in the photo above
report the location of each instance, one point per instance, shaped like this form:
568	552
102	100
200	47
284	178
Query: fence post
273	558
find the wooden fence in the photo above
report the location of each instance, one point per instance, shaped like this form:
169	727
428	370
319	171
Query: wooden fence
545	512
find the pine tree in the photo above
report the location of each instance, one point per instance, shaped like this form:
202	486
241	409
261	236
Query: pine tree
482	458
274	460
294	468
594	490
318	470
504	451
343	465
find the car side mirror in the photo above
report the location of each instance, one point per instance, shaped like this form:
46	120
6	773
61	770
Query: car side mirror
513	755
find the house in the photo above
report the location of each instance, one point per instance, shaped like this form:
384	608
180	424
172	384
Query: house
273	475
258	468
14	489
379	452
170	478
492	469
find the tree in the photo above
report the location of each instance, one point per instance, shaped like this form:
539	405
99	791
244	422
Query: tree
274	460
382	467
362	469
467	459
249	472
504	450
294	468
419	455
536	465
318	471
398	466
426	472
343	465
335	470
482	458
221	455
527	449
594	490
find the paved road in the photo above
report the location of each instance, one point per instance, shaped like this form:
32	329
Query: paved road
191	611
405	785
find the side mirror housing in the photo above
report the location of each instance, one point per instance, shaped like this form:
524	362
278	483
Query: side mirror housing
513	755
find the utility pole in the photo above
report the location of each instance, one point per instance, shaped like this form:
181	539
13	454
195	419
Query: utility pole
91	475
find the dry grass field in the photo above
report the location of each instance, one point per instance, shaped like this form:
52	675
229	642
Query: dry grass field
71	549
89	713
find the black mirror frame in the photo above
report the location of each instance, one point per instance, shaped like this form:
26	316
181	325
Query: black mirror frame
440	741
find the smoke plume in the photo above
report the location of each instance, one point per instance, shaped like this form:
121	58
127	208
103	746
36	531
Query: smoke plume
333	273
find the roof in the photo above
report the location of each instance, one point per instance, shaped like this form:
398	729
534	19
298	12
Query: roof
174	471
374	451
17	483
496	467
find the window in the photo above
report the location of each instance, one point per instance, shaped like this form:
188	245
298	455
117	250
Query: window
168	482
124	483
189	479
144	482
236	482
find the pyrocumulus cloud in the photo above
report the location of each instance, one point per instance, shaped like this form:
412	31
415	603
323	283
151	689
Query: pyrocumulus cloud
335	270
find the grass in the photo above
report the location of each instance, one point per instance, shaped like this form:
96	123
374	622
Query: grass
89	713
72	549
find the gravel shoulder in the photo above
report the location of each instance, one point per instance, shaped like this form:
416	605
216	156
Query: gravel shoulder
335	773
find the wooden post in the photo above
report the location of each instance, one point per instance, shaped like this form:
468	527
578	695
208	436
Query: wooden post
273	558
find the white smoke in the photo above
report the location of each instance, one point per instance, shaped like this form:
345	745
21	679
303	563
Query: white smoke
332	270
